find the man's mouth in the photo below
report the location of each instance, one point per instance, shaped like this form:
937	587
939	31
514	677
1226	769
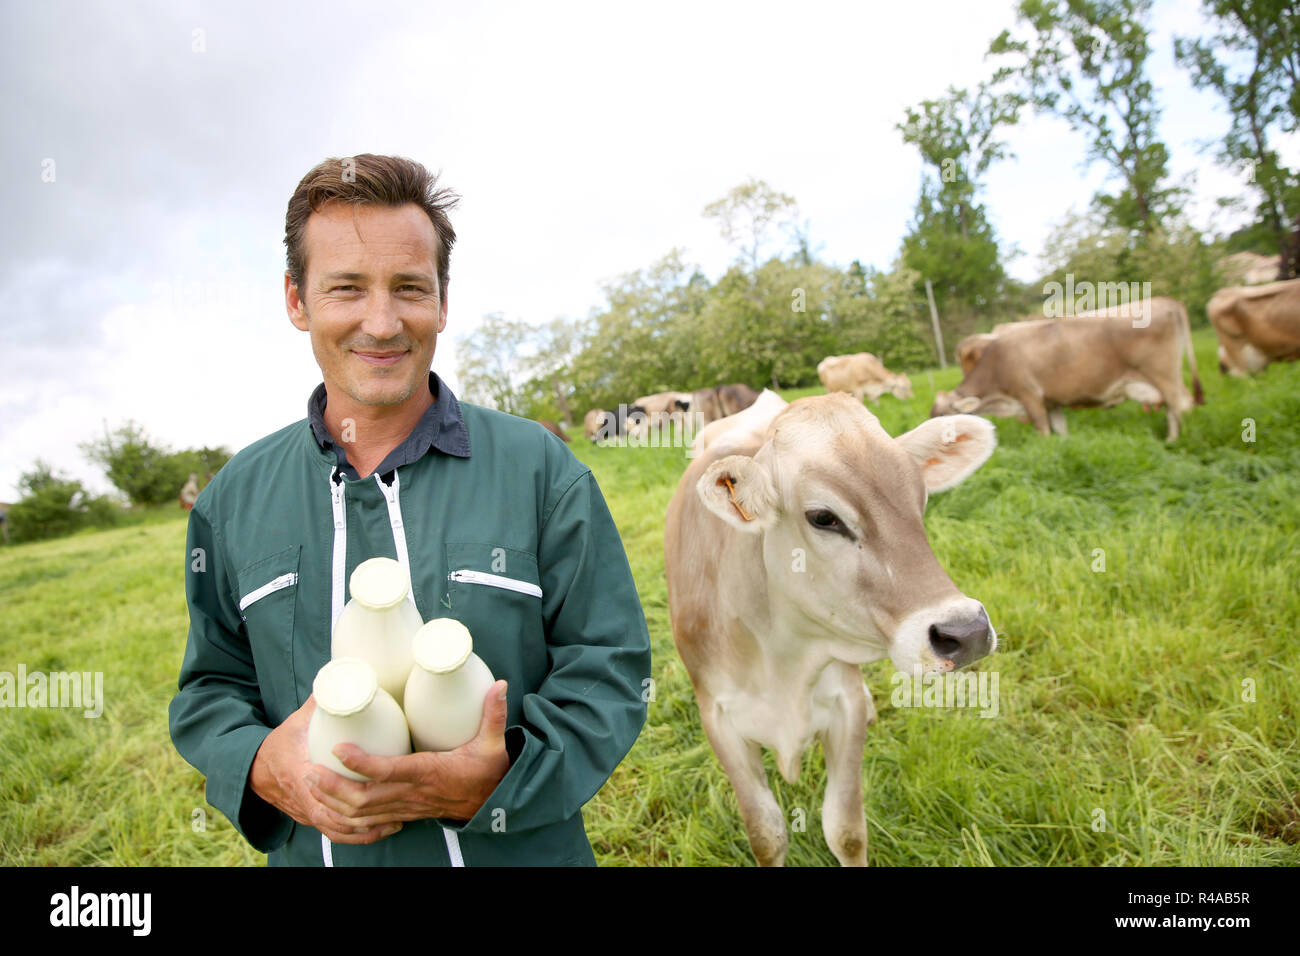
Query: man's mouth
381	359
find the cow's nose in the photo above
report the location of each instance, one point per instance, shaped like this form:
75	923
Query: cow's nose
961	639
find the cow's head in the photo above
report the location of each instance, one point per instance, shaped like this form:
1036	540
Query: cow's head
839	505
901	386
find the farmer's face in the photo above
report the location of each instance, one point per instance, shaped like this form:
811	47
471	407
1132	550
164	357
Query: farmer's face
370	299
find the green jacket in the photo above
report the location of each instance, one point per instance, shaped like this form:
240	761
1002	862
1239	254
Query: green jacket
515	541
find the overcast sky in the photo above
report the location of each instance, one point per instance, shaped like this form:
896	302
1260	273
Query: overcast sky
145	280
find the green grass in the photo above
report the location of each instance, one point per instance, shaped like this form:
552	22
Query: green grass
1121	691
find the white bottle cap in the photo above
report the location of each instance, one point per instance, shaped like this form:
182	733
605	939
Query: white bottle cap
442	645
345	686
379	584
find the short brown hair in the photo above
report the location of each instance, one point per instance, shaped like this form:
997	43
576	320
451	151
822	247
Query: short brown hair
373	180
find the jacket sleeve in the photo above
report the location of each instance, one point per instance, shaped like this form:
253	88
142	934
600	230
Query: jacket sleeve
216	719
588	711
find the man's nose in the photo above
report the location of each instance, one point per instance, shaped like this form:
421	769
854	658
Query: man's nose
381	319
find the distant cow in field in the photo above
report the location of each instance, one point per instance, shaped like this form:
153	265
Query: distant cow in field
711	404
862	375
665	409
1256	325
190	492
600	424
553	428
665	402
1129	352
793	555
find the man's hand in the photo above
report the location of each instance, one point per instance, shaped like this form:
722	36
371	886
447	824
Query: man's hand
279	773
452	784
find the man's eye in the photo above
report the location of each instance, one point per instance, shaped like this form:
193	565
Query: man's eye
826	521
344	288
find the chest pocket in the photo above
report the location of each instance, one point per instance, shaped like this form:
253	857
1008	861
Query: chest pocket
268	597
496	593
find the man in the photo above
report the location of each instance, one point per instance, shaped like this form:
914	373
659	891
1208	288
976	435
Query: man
498	524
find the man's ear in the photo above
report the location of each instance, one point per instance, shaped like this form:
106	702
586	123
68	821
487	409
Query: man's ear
293	303
950	448
739	492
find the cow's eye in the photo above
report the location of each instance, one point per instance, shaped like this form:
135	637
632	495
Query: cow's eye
826	521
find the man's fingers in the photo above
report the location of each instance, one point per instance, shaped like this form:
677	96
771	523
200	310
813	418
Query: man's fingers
370	835
494	713
410	768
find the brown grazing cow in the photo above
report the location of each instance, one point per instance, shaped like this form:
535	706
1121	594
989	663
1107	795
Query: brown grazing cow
862	375
1084	361
1256	325
710	404
190	492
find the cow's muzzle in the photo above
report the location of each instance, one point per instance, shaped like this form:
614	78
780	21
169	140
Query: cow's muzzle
962	638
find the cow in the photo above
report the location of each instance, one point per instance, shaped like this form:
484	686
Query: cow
553	428
1256	325
665	403
720	401
1132	351
1250	268
600	424
593	422
189	492
793	558
665	409
862	375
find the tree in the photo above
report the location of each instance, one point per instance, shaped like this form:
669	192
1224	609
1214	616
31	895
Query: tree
1086	62
1177	260
54	505
747	215
147	472
489	363
1263	38
951	241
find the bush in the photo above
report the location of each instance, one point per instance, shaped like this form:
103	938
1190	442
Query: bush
146	472
53	505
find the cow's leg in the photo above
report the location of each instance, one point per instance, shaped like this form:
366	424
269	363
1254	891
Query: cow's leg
843	820
1036	409
1056	419
1174	394
1171	415
742	760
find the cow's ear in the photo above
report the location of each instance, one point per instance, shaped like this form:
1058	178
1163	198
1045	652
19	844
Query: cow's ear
950	448
966	404
739	492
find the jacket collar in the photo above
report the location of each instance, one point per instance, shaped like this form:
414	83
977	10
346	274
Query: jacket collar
441	427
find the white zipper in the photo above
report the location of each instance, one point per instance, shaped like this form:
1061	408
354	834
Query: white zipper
495	581
340	550
392	496
270	587
339	570
399	528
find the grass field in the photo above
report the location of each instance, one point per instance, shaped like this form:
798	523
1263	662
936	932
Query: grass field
1148	711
